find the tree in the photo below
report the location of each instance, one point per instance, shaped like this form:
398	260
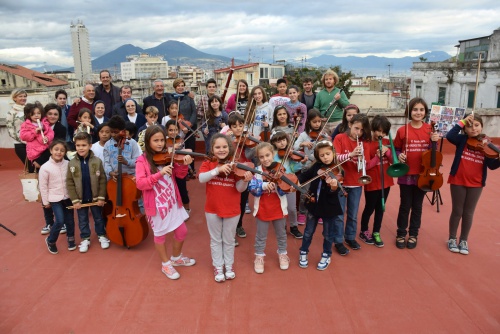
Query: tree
422	59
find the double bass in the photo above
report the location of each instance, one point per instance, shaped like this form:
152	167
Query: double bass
126	225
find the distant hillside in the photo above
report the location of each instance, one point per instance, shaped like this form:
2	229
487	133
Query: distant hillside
176	53
376	63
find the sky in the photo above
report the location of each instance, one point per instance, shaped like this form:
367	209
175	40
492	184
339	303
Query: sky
38	32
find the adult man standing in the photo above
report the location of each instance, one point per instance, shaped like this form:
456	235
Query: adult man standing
107	92
158	99
119	108
202	107
62	101
87	101
308	96
325	99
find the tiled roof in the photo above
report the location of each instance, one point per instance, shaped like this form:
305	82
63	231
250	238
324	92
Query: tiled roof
227	69
38	77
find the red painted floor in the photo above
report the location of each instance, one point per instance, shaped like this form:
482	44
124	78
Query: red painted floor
386	290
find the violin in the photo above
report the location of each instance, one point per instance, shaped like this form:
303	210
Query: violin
317	135
482	144
296	156
333	172
246	141
280	180
265	134
275	173
126	225
430	178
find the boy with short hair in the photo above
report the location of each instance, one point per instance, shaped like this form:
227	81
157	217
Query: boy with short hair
282	97
129	154
86	184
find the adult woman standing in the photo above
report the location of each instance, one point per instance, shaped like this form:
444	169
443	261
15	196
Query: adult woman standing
242	98
15	117
187	108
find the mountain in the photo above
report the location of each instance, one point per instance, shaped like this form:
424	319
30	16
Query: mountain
376	64
175	52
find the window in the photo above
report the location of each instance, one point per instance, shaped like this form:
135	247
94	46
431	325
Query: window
264	73
470	101
498	99
442	96
418	90
250	79
4	82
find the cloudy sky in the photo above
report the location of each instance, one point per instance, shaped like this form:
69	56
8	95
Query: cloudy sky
38	31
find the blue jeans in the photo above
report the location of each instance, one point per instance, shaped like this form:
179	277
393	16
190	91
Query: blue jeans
83	221
352	202
328	233
63	217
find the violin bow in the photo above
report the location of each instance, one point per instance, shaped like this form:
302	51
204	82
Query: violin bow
41	129
335	104
477	83
329	169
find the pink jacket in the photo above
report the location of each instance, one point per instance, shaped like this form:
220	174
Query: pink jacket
34	140
52	181
145	182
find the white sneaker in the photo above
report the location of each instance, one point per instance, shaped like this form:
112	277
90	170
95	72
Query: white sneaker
170	271
45	230
219	274
84	246
63	230
104	242
230	274
284	261
258	264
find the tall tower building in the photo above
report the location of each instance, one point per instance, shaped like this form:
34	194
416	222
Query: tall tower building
81	51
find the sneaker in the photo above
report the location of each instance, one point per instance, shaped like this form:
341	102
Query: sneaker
324	262
63	230
463	247
353	244
230	274
236	243
320	221
284	261
240	232
170	271
377	240
452	246
45	230
104	242
51	246
295	232
71	245
303	261
84	246
247	209
341	249
258	264
183	261
366	237
219	274
301	219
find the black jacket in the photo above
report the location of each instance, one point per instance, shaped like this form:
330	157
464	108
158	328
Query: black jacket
328	204
160	104
115	97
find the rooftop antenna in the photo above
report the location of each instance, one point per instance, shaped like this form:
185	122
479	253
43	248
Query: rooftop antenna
274	46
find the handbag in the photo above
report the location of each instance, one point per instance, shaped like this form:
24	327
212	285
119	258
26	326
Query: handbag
29	181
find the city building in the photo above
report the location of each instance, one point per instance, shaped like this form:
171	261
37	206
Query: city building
254	73
81	51
453	82
191	75
144	66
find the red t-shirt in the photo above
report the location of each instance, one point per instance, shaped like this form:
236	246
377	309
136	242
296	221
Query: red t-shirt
221	193
374	172
470	169
419	141
269	207
344	144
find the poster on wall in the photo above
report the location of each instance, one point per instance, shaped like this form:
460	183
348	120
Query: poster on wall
446	117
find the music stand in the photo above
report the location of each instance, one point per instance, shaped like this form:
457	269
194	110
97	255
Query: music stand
436	194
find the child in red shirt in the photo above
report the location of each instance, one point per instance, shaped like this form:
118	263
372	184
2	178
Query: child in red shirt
467	179
350	144
270	206
380	127
411	141
221	212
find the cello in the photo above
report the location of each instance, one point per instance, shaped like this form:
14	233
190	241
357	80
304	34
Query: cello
430	178
126	225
